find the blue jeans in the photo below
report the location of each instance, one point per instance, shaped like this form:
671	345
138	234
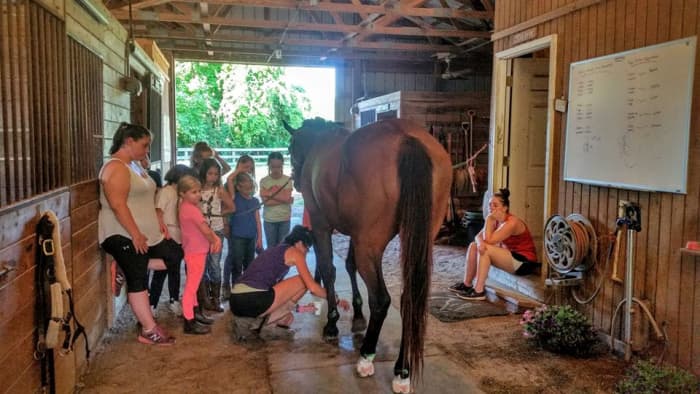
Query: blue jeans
275	232
241	252
212	269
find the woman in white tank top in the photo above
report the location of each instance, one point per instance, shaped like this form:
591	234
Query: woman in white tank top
129	228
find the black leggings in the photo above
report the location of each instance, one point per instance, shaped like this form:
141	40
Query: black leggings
251	304
135	265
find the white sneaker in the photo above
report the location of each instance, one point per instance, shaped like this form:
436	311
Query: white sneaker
154	311
175	307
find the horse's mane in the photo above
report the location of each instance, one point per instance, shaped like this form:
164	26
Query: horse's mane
319	125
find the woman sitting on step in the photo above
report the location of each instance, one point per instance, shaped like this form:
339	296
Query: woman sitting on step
505	242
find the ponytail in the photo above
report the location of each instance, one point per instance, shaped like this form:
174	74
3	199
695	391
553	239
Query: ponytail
504	195
124	131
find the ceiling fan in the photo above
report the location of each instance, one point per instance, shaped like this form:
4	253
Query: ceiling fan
447	73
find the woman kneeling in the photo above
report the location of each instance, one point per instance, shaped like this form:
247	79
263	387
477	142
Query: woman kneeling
262	292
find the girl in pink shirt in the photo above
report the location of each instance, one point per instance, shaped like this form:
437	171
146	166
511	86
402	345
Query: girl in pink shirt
197	240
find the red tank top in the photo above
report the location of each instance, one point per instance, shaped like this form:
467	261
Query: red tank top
522	244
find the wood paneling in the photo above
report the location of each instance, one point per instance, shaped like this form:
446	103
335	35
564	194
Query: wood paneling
664	276
85	87
35	102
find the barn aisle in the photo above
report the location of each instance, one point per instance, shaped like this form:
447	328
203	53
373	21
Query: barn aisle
294	361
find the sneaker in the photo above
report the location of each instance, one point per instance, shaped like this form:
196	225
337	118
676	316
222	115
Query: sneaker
175	307
157	336
193	327
154	311
459	287
472	295
285	321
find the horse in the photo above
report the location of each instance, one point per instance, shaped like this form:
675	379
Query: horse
385	178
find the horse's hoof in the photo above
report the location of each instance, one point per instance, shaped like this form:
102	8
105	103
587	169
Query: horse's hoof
365	367
401	385
359	325
330	333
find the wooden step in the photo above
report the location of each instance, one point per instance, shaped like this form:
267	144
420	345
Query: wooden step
523	291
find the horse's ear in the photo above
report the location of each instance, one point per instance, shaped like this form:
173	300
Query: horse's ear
288	127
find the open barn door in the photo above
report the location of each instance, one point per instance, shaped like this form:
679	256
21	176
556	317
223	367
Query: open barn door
527	142
521	156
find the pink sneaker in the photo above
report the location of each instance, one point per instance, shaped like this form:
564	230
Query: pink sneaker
157	336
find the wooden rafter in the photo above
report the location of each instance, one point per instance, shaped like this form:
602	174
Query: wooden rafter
146	16
274	40
399	9
386	20
192	52
329	28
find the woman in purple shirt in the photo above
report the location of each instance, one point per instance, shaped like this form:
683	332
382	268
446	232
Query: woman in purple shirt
262	290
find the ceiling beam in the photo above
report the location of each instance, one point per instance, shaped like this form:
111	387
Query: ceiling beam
147	16
274	40
302	58
353	7
386	20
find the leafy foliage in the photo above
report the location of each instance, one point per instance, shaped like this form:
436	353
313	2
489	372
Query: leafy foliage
645	377
231	105
560	329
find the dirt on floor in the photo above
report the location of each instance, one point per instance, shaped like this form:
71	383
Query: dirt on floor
493	349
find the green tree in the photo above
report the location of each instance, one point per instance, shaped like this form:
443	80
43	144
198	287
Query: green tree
197	100
232	105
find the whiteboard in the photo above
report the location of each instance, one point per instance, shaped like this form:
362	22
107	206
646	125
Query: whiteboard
628	120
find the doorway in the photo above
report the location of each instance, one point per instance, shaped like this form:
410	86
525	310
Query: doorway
521	140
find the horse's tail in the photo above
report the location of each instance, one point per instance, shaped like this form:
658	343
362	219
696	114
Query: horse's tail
414	218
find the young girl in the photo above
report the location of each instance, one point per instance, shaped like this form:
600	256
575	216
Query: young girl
197	240
245	164
215	204
201	151
246	229
166	208
276	193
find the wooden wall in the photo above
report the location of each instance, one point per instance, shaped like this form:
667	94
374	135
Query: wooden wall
356	81
76	206
667	278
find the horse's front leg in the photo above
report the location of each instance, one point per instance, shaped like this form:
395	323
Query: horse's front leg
324	264
359	323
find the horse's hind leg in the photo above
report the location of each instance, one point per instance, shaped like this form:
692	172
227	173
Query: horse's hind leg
369	267
358	320
402	372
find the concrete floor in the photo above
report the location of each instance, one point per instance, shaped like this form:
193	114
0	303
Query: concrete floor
281	361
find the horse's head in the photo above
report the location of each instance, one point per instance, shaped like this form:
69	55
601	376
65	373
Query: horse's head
303	139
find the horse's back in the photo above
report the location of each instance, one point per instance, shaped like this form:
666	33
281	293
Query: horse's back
370	170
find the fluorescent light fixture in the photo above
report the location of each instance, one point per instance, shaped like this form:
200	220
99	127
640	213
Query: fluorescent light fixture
94	11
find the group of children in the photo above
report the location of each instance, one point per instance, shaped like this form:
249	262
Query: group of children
200	210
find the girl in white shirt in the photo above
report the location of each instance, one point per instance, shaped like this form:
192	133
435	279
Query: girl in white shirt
215	205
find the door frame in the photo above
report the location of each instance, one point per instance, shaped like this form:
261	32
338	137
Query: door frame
500	107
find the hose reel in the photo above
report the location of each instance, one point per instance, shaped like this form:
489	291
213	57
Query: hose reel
571	247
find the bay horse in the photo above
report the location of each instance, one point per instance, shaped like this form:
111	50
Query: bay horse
386	178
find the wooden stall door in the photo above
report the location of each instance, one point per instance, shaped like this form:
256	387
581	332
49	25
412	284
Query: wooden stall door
527	143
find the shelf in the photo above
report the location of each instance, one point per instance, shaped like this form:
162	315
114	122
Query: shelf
691	252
